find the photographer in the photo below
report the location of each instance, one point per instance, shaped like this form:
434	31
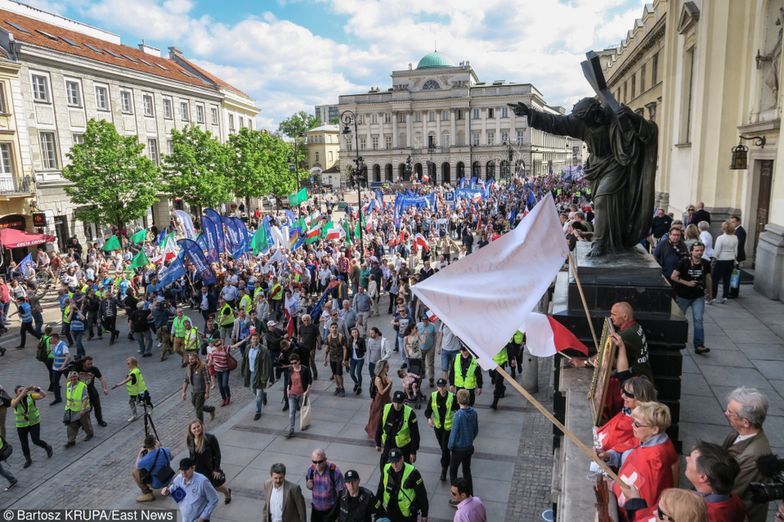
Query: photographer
152	464
28	420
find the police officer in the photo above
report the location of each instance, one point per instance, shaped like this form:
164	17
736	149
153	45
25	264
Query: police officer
398	428
465	374
401	491
355	503
499	389
137	388
439	413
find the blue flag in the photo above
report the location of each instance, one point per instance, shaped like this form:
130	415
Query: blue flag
245	236
171	273
26	264
473	182
268	231
315	314
162	236
192	251
210	232
462	182
531	200
220	239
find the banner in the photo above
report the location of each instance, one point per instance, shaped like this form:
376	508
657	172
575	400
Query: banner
139	237
140	260
187	224
470	194
499	285
234	239
210	233
111	244
171	273
299	197
242	230
26	264
193	253
220	238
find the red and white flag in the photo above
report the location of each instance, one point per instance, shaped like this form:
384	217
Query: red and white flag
431	316
170	249
335	233
544	336
314	231
420	240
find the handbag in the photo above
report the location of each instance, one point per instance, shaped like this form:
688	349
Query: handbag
304	415
5	399
231	362
221	480
6	450
77	325
166	473
69	417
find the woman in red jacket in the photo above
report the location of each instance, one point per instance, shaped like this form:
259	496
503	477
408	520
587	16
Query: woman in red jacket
617	435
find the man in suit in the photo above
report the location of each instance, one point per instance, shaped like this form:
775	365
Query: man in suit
746	411
283	500
700	215
740	233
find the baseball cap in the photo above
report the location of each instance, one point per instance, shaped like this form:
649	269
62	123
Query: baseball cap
351	475
441	382
187	463
399	396
394	455
270	324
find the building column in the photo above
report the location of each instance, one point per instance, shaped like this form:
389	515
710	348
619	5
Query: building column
769	262
394	130
452	128
409	130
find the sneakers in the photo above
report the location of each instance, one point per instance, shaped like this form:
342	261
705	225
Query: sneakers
442	478
102	424
723	300
146	497
11	485
212	414
701	349
56	401
285	407
132	418
257	416
289	434
27	463
49	452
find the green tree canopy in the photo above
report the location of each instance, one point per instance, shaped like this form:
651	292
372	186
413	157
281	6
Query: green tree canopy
298	124
259	162
113	181
197	169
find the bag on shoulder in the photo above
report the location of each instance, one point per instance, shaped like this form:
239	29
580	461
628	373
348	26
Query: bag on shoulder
40	351
231	362
6	450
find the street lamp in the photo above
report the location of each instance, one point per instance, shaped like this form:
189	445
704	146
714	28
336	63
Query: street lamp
349	119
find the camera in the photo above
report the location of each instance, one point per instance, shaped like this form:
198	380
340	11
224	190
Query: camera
772	467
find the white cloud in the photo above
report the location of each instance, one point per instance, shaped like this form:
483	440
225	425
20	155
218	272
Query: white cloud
287	67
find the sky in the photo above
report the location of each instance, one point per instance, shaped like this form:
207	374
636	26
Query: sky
290	55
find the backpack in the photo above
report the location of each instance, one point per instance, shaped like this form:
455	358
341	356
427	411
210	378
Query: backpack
40	351
331	469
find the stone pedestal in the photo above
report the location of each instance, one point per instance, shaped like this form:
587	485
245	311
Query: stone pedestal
634	277
769	262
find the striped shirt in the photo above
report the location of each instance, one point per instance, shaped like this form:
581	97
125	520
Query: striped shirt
220	360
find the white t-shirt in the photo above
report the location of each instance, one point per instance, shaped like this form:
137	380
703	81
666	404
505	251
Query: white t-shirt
276	504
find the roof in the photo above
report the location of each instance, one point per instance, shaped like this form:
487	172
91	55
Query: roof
41	34
326	128
214	79
434	60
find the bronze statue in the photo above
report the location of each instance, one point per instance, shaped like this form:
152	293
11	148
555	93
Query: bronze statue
621	165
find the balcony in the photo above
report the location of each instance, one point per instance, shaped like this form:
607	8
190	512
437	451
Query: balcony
10	187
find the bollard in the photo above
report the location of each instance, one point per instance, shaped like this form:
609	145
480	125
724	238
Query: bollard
530	372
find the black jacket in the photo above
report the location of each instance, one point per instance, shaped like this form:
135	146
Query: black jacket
353	509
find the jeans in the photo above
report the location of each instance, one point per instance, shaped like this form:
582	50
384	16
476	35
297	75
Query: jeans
447	360
372	372
223	384
355	370
295	401
258	392
144	340
458	457
38	317
7	474
25	328
77	337
697	310
401	342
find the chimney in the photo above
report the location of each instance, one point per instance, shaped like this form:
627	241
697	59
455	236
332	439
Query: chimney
148	49
174	52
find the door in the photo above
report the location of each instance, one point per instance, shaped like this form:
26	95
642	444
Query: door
763	202
61	229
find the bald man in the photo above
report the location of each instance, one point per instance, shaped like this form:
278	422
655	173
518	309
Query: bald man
632	359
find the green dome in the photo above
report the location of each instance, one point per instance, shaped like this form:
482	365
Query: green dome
434	60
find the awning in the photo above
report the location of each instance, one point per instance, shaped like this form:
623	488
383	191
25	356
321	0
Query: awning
12	238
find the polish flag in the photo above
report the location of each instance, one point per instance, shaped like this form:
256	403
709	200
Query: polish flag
314	231
335	233
431	316
545	336
420	240
313	218
477	197
170	249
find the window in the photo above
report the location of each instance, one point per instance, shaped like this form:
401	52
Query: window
655	69
444	115
686	96
231	123
401	117
504	112
374	141
348	145
387	142
168	109
642	79
152	150
520	136
48	150
417	116
149	109
360	120
331	156
40	88
504	137
475	138
6	166
431	116
634	86
185	114
78	139
3	108
200	114
214	115
490	113
431	141
242	122
491	137
73	93
475	114
624	93
102	98
169	146
374	118
317	157
459	114
387	118
445	139
362	143
126	102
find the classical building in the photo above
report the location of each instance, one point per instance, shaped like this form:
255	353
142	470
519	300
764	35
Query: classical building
323	151
69	73
633	71
326	113
451	125
710	100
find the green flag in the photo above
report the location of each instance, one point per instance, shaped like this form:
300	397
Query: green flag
259	240
139	237
140	260
325	228
113	243
299	197
347	228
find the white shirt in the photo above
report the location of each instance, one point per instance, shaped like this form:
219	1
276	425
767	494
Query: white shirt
276	504
707	240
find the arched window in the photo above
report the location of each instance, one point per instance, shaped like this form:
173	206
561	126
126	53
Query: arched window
490	170
505	171
445	139
430	85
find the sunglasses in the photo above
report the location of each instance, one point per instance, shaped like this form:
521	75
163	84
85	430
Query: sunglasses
318	461
662	515
627	394
638	425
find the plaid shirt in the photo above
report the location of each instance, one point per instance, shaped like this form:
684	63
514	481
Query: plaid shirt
324	492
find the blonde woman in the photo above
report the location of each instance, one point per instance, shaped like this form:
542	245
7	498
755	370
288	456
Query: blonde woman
725	252
205	451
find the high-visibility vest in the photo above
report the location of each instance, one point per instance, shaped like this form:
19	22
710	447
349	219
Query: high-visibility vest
191	340
66	313
256	292
467	381
31	418
405	496
226	318
179	326
246	303
277	292
76	397
48	344
518	337
501	357
138	388
403	436
450	413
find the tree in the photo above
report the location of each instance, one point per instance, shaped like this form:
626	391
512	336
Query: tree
298	124
259	163
113	181
197	169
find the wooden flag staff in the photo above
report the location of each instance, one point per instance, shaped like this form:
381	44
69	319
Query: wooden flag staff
571	436
573	265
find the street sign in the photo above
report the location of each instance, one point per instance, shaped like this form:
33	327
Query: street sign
449	197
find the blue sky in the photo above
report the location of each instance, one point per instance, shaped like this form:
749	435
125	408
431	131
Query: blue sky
292	54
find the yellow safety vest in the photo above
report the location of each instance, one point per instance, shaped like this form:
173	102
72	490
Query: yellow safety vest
403	436
469	380
31	418
179	326
138	388
256	292
450	413
246	303
226	319
66	313
191	342
405	496
501	357
277	292
76	397
518	337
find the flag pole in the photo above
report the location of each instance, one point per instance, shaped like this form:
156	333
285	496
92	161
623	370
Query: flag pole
573	264
571	436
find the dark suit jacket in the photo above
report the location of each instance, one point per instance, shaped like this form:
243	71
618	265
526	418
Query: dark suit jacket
746	453
740	232
293	502
700	215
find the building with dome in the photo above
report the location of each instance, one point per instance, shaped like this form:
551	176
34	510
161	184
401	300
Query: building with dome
452	125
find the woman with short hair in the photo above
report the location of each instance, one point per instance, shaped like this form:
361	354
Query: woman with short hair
726	251
617	434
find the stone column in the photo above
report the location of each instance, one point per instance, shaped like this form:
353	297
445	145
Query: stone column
409	130
769	262
394	130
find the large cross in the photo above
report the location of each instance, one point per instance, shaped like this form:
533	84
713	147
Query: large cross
592	69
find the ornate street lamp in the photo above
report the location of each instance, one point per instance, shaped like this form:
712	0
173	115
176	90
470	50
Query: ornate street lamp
359	172
740	152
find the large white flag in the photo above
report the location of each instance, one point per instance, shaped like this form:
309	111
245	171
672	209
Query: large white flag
187	224
485	297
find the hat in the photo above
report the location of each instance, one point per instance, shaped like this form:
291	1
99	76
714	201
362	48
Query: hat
441	382
350	475
393	456
270	324
399	396
187	463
